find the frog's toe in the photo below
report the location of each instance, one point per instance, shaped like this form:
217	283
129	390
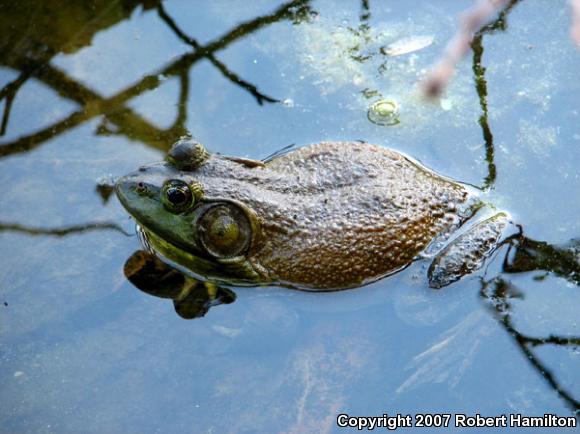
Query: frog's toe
468	252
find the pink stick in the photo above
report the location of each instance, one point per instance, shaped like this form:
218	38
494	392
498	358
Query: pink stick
575	29
471	21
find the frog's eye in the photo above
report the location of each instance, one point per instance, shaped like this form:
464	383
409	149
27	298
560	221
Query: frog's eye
177	196
224	231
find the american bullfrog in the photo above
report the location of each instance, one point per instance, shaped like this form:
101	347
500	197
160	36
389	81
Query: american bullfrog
327	216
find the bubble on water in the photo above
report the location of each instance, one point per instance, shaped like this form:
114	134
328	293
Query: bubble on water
384	112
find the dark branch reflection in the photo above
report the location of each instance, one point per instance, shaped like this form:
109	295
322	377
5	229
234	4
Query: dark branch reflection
8	93
64	231
365	12
500	24
260	97
117	118
498	293
524	255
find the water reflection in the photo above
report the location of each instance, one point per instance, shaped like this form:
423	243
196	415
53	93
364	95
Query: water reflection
31	57
498	294
524	255
191	298
63	231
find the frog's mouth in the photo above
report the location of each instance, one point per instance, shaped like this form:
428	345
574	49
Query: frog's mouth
144	239
235	271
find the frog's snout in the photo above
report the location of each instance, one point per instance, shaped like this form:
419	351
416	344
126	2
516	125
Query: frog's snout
128	188
122	186
137	184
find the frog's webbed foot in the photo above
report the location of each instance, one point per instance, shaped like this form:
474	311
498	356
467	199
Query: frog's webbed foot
468	252
191	298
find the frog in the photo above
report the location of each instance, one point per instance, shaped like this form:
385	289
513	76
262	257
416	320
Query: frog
327	216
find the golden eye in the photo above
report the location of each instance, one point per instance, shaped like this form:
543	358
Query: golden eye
225	231
177	196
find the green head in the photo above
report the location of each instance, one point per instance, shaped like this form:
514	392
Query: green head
188	219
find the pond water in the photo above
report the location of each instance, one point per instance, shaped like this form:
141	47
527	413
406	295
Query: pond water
92	90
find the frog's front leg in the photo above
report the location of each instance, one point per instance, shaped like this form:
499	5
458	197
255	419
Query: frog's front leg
468	252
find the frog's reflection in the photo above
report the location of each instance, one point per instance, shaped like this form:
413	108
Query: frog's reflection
191	298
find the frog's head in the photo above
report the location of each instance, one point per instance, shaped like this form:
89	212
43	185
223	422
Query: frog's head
189	216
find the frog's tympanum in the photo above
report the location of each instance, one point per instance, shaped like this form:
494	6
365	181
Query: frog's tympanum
328	216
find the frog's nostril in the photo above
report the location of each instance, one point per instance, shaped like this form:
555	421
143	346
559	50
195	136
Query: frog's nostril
141	188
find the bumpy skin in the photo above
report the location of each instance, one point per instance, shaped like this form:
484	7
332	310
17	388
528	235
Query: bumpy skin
329	216
466	252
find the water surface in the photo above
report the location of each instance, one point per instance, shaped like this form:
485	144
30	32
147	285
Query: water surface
91	90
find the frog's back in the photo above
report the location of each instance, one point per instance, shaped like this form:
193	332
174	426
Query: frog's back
333	165
355	210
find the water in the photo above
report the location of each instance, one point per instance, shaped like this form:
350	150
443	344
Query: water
97	91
